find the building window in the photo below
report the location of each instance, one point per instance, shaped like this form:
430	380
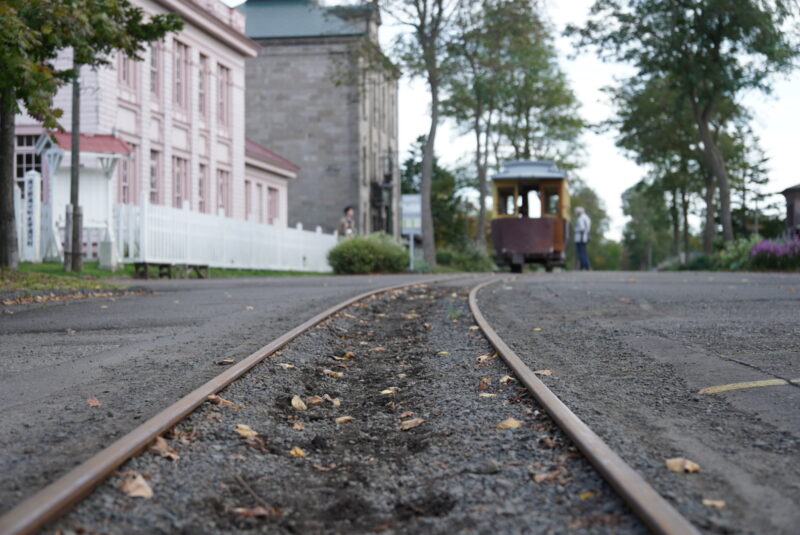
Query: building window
180	181
223	95
248	199
27	159
127	177
155	70
223	191
127	72
260	202
155	176
273	199
202	87
181	75
202	187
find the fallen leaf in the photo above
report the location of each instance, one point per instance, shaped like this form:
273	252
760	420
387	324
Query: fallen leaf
632	280
381	314
315	399
244	430
324	468
348	355
410	424
586	495
681	464
343	419
506	379
257	443
257	512
406	414
548	443
218	400
474	328
161	448
486	395
543	372
94	402
136	487
297	452
332	373
389	391
548	476
536	329
248	307
350	316
103	307
441	353
286	366
379	349
484	358
410	316
297	404
225	362
719	504
509	423
427	325
298	426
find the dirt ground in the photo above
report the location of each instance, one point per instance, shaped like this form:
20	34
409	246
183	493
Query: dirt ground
384	419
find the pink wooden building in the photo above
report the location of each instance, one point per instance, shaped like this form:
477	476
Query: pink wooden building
171	129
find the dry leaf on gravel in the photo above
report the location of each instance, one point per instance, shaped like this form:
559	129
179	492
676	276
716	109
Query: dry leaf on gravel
588	494
160	447
298	404
332	373
509	423
225	362
324	468
244	430
719	504
506	379
298	426
536	329
257	443
442	353
248	307
543	372
474	328
136	487
379	349
548	476
93	402
410	316
389	391
257	512
484	358
335	401
487	395
343	419
548	443
406	414
427	325
297	452
315	399
286	365
218	400
681	464
410	424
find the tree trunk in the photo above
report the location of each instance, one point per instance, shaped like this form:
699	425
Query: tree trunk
709	229
480	167
676	222
76	263
685	211
716	165
9	255
428	244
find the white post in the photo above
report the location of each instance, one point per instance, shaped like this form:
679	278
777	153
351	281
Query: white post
32	218
143	229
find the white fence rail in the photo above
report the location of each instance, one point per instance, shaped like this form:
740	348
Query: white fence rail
164	235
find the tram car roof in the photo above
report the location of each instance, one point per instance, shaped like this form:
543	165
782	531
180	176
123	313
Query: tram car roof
529	169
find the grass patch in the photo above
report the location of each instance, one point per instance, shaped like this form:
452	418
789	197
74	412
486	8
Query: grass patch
33	281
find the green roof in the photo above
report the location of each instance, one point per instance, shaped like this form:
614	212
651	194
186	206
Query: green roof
294	18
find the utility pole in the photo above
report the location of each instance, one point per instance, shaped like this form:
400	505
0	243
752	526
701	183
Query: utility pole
73	260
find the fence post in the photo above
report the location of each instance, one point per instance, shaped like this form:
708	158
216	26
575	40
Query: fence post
143	229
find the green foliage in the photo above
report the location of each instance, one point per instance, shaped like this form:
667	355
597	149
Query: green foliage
469	258
646	236
450	221
376	253
735	256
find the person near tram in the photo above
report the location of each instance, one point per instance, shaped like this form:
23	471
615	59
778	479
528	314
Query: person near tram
583	224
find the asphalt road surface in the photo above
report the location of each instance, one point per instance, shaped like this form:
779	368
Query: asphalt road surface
135	354
704	366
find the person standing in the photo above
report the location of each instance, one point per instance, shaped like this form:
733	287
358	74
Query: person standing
347	227
582	227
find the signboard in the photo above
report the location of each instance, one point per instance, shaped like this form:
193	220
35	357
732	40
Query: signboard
411	214
32	213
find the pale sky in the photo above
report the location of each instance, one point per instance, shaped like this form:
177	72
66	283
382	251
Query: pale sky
607	170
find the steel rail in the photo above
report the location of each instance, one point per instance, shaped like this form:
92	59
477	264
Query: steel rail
55	499
646	503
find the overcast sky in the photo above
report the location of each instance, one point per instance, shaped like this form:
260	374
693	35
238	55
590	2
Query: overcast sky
607	170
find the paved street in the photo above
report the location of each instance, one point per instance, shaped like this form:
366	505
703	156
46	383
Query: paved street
135	354
631	353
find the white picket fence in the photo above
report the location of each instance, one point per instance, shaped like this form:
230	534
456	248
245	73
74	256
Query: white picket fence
164	235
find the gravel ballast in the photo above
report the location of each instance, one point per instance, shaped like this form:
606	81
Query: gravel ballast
418	394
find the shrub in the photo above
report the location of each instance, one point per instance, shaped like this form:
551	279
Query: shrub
376	253
469	258
735	256
769	254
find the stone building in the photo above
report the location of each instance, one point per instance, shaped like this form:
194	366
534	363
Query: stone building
321	93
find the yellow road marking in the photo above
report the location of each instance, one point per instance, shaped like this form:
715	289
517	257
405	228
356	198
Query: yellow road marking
747	384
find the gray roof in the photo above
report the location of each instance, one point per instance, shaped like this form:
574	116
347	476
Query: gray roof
530	169
293	18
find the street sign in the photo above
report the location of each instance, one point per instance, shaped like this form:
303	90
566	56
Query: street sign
411	214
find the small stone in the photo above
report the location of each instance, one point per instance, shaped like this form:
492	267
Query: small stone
760	444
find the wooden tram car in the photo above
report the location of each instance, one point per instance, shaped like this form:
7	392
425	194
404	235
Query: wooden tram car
532	208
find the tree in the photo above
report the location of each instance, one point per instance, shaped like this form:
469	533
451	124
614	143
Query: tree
646	237
709	50
33	32
423	53
450	219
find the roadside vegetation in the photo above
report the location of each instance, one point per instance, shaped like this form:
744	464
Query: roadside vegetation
376	253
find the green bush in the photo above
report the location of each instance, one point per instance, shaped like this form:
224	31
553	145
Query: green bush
376	253
735	256
469	258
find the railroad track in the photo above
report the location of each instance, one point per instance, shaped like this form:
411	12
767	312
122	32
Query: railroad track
57	498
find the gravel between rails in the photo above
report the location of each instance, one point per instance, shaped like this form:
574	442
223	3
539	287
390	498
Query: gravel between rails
453	472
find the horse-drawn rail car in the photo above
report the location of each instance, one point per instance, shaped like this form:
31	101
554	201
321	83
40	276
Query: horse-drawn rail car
532	207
